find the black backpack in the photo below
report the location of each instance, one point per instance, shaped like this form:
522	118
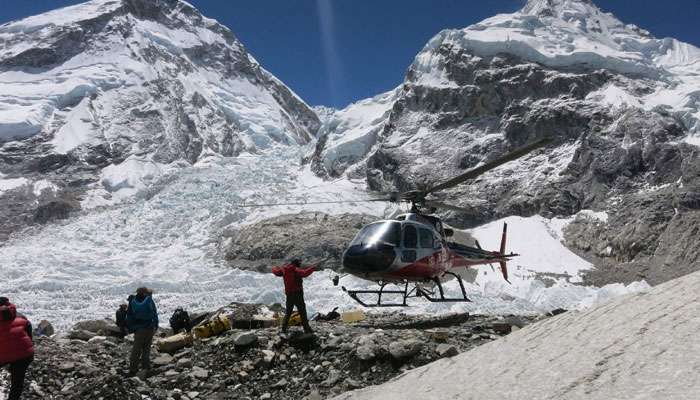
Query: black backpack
180	321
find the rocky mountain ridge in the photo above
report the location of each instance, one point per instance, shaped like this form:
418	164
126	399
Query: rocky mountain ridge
621	104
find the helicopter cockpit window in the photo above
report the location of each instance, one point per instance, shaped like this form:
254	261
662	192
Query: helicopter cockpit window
426	238
387	232
410	237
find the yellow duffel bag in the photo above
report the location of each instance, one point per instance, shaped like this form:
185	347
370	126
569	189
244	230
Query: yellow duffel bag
218	324
294	319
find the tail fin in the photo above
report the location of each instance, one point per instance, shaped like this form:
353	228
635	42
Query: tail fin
504	268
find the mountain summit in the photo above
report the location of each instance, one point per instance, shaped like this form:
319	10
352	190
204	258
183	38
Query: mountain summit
622	105
108	94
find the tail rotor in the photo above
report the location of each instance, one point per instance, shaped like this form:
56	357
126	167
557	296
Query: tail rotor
504	267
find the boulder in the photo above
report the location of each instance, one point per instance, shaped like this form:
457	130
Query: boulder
304	341
81	335
366	352
97	340
446	350
174	343
66	367
44	328
404	349
268	357
503	328
102	327
163	359
273	241
245	341
184	363
333	377
199	373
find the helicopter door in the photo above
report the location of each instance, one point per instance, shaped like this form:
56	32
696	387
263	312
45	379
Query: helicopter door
426	238
410	242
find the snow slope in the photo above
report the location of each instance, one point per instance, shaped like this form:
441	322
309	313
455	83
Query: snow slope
641	346
351	133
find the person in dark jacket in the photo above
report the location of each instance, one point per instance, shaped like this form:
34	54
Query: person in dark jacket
142	321
121	320
294	289
16	346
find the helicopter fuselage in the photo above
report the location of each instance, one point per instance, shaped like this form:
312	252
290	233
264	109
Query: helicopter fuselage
411	248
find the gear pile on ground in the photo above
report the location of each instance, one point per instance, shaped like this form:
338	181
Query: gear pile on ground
256	364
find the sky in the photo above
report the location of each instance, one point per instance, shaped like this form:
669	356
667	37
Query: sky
335	52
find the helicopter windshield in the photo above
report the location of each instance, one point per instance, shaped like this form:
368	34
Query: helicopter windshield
386	231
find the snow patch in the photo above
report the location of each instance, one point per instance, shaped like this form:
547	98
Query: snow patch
42	186
615	96
78	129
131	175
10	184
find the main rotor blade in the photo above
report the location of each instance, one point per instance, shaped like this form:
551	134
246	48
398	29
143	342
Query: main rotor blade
473	173
437	204
311	203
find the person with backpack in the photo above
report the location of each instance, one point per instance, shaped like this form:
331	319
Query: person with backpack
180	321
142	321
294	290
121	320
16	346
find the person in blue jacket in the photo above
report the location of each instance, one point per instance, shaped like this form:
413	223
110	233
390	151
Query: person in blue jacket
142	321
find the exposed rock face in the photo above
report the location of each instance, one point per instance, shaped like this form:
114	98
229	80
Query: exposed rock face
624	146
108	94
315	238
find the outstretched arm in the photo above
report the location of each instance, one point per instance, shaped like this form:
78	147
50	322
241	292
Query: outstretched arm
304	272
277	271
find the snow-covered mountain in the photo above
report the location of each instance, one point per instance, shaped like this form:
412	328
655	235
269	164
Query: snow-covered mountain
624	106
108	95
155	122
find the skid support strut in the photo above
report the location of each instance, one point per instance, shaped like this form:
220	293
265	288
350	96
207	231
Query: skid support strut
442	298
405	293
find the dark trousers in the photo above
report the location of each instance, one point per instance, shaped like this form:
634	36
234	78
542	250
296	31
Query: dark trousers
18	370
296	300
142	350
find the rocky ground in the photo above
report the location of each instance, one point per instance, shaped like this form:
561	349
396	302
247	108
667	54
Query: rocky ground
88	363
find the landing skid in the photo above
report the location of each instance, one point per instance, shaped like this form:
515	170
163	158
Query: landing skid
442	299
404	294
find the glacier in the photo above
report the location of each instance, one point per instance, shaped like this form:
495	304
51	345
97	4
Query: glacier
168	236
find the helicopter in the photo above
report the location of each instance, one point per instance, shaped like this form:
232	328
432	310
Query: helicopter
413	252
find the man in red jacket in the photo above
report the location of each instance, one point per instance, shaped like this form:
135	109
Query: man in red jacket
16	347
294	289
